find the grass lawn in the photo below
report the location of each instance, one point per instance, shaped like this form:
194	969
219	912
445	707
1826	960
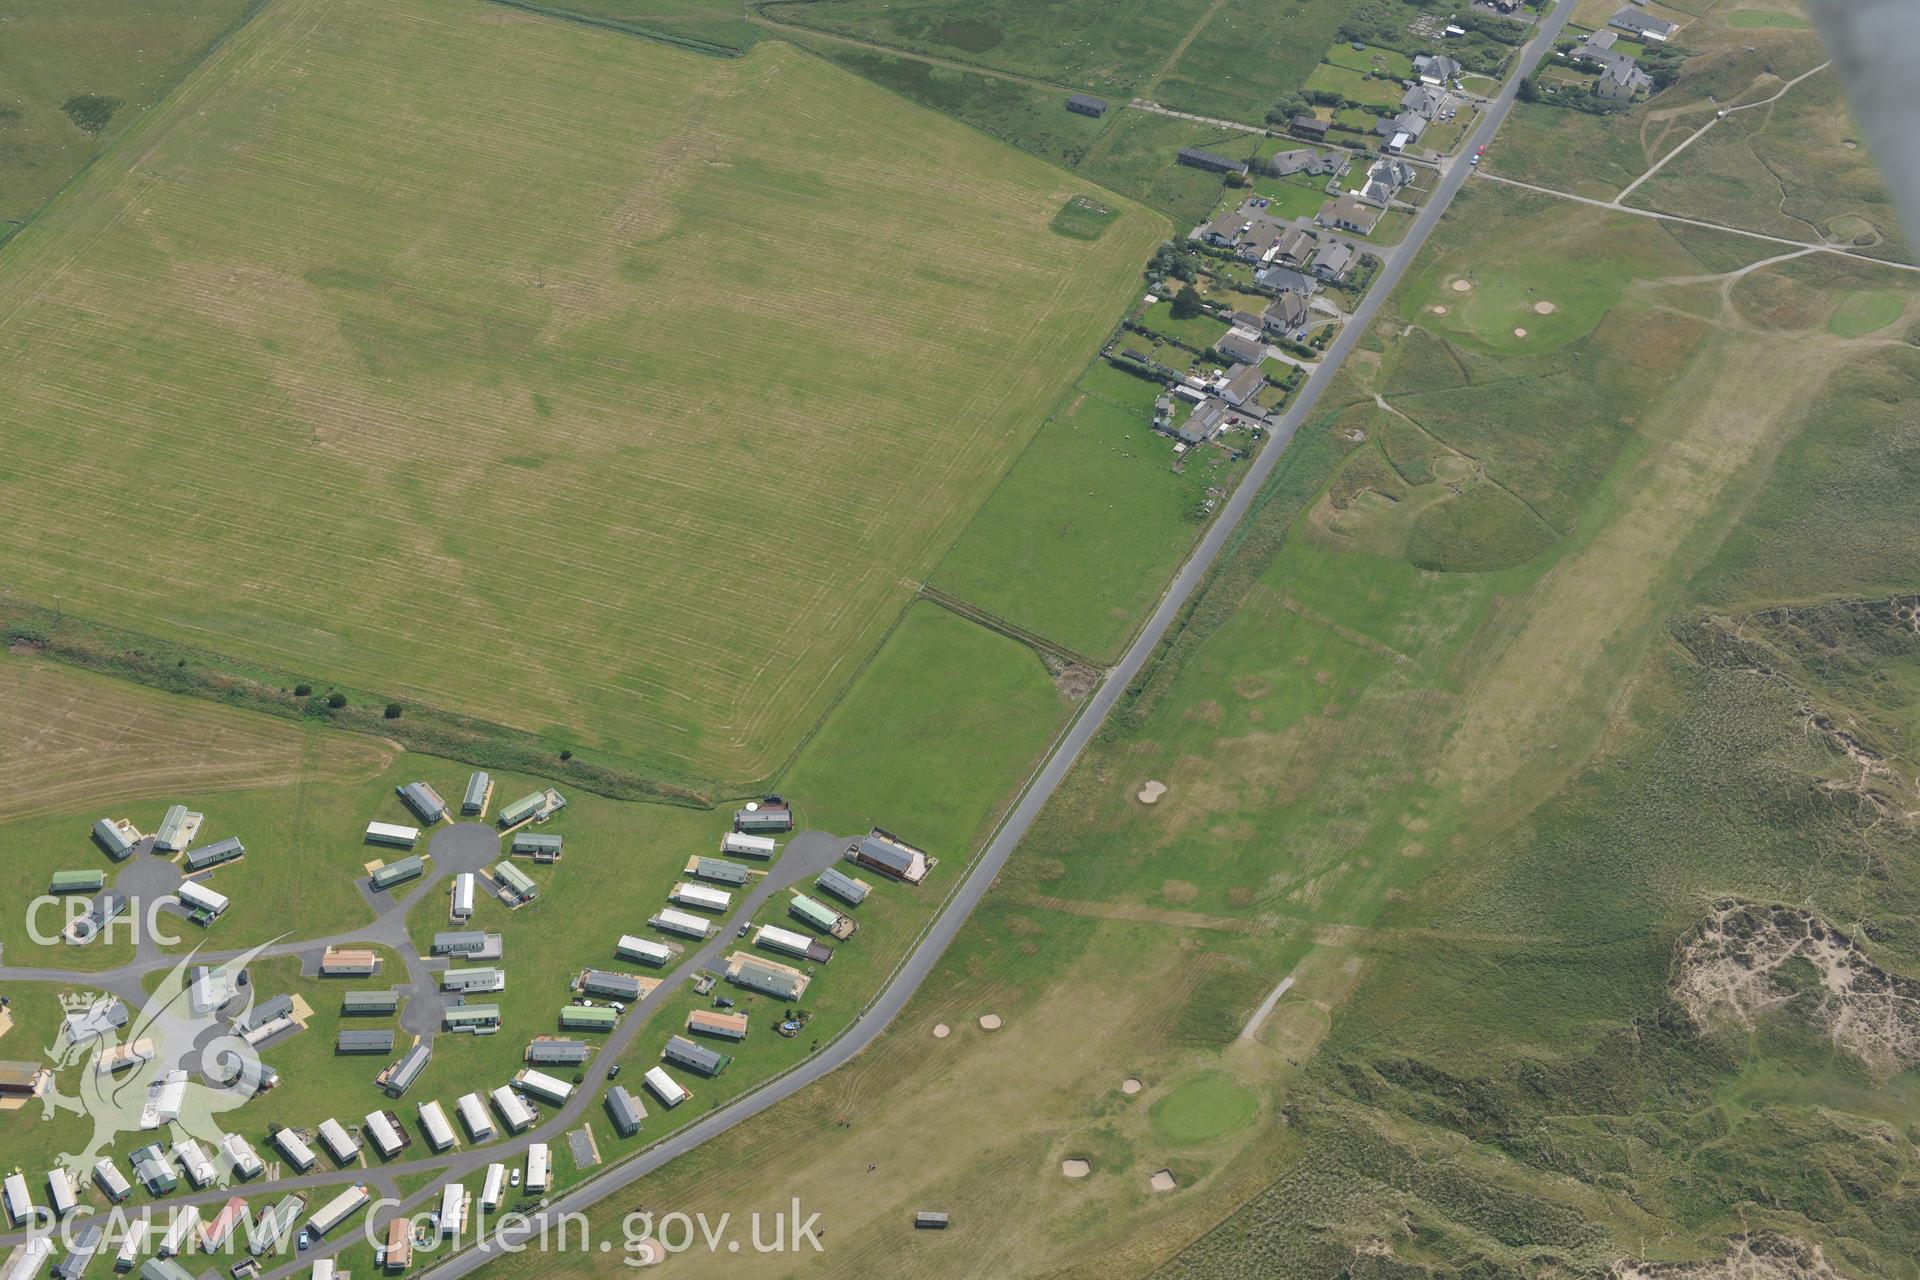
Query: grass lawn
75	73
449	410
1080	537
1356	86
1198	331
1292	197
1390	63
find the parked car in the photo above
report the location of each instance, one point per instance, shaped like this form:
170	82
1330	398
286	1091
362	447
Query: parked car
305	1239
722	1002
513	1179
613	1073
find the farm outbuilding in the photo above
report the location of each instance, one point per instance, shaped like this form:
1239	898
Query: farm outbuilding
1086	104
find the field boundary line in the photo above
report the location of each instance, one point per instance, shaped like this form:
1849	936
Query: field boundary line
999	625
757	14
693	44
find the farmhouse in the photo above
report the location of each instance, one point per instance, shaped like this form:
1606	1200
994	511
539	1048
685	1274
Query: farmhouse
479	791
363	1042
393	873
516	886
433	1120
849	890
543	1086
618	986
1643	25
781	981
177	829
774	938
671	921
642	950
400	1075
769	814
718	870
557	1051
748	846
699	897
348	962
709	1022
117	837
388	833
625	1111
470	1017
1348	213
212	855
539	847
1087	105
1212	162
424	801
665	1087
695	1057
814	912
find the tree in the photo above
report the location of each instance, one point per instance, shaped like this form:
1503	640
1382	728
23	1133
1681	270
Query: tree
336	700
302	690
1186	303
393	711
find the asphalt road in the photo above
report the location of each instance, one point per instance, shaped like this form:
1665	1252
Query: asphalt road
809	856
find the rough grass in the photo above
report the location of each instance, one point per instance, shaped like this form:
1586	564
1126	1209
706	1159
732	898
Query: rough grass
493	479
1245	57
75	73
1136	158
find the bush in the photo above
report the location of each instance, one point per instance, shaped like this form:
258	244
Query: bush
303	690
566	755
336	700
393	711
1186	304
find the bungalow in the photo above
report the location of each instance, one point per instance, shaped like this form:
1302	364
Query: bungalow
1307	160
1087	105
1348	213
1643	25
1245	381
1334	260
1212	162
1286	280
1239	345
1422	101
1294	246
1436	68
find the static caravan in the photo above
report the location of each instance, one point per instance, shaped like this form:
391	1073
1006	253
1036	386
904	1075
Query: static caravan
177	829
671	921
557	1051
615	986
19	1201
849	889
77	882
473	1114
520	810
348	962
695	1057
163	1269
339	1209
113	1184
268	1233
470	1017
543	1086
80	1257
665	1087
384	1132
208	856
479	789
491	1190
400	1075
471	980
60	1194
366	1002
295	1149
539	1172
453	1209
719	871
513	1112
183	1227
577	1017
516	884
770	814
711	1022
392	835
241	1157
116	837
27	1259
699	897
462	891
424	801
439	1130
221	1227
749	846
193	1159
198	897
538	846
338	1142
812	911
642	950
133	1246
399	872
625	1110
774	938
151	1168
782	982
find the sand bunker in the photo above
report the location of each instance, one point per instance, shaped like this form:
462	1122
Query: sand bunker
1461	286
941	1031
1519	333
1439	311
1151	793
1130	1086
1543	307
651	1253
989	1022
1075	1167
1162	1181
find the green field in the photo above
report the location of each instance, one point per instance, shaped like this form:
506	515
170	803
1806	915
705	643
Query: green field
495	482
74	74
1081	535
1356	86
1135	157
1866	311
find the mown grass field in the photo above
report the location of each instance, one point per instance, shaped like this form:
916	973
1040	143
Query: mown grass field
74	74
436	439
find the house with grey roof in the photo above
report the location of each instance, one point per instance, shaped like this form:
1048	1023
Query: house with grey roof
1242	384
1643	25
1436	68
1206	421
1334	260
1284	315
1239	345
1348	213
1087	105
1212	162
